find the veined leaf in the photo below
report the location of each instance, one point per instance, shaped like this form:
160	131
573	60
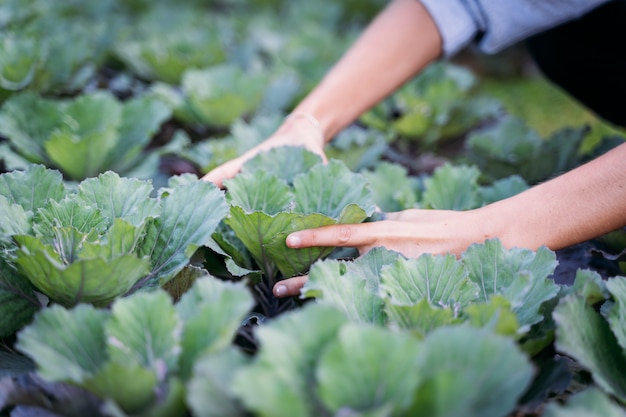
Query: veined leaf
189	216
441	280
33	187
95	280
421	317
144	329
330	188
452	188
495	315
68	213
259	192
583	334
326	194
331	282
402	195
212	312
521	275
284	163
67	345
27	134
300	337
117	197
368	368
456	358
13	219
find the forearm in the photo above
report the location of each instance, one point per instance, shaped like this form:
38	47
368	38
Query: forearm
577	206
401	41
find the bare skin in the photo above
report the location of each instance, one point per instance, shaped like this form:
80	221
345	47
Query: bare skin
582	204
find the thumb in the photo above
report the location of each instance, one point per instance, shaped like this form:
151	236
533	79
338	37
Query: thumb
290	286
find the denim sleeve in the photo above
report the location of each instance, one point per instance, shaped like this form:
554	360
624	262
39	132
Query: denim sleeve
496	24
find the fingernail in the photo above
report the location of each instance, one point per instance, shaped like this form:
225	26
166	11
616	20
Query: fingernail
294	241
280	290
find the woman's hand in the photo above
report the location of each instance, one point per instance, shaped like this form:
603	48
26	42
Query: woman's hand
411	232
296	130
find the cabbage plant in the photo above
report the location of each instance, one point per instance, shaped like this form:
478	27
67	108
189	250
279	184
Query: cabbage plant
215	96
107	238
82	137
288	189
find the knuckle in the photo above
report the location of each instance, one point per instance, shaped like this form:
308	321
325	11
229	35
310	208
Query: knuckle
344	233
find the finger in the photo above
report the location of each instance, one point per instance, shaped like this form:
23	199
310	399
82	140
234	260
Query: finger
290	286
350	235
223	172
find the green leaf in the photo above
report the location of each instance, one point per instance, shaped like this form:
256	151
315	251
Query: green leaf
18	302
220	94
284	163
442	280
521	275
501	189
130	386
117	197
259	191
452	188
95	280
329	189
141	119
368	368
495	315
81	144
470	372
290	347
212	311
66	345
32	188
401	195
616	315
332	283
69	213
189	216
28	134
143	329
588	403
589	285
210	392
358	148
421	317
584	335
13	219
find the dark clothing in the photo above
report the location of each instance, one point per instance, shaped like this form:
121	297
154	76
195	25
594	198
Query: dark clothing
587	58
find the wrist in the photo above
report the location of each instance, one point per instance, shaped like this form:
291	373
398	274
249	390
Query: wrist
304	120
